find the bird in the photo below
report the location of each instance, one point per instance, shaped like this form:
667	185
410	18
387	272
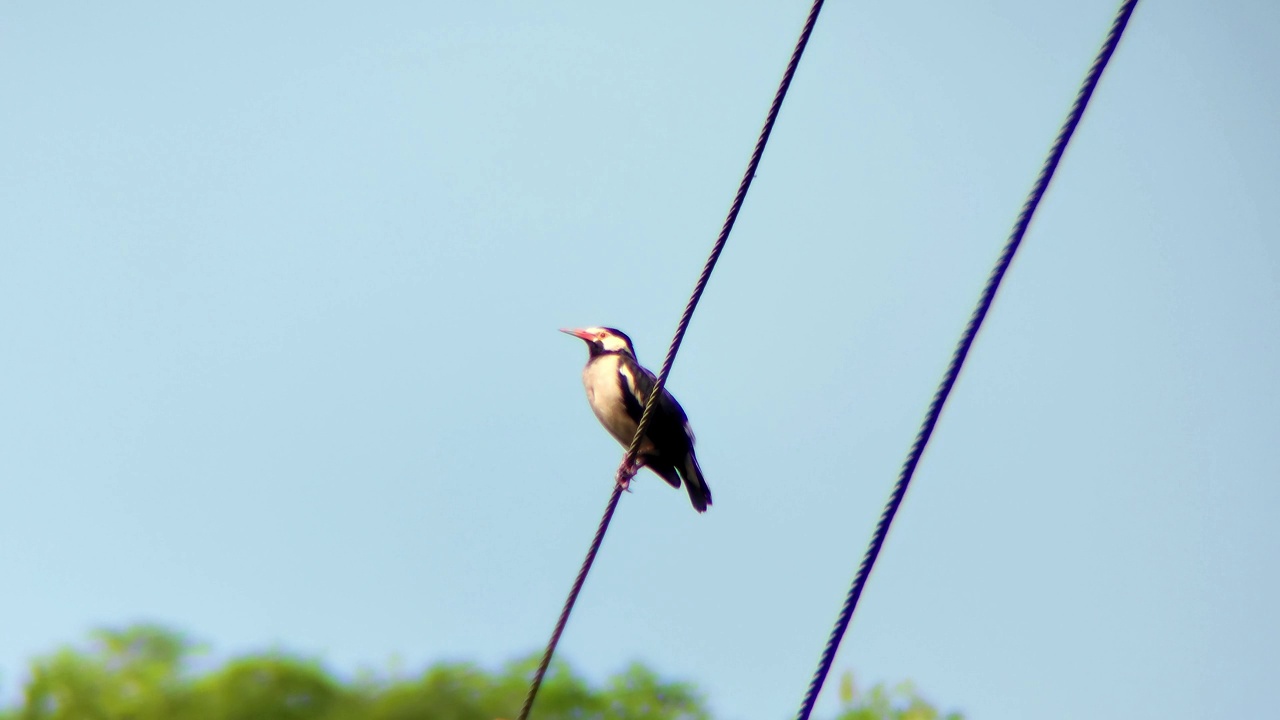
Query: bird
617	389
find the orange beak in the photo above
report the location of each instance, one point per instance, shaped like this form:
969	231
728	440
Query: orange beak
583	334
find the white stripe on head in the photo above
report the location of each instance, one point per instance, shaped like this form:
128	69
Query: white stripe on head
611	340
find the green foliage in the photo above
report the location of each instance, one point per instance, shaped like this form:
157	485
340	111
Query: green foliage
144	673
902	702
133	673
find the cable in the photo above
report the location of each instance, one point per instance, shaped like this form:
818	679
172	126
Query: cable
728	226
625	469
541	672
962	351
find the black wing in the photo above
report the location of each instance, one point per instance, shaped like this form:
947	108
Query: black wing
669	429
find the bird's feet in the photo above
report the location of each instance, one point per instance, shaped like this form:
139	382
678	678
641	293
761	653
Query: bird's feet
625	473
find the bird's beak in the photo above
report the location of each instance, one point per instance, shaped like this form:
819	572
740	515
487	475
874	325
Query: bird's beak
583	334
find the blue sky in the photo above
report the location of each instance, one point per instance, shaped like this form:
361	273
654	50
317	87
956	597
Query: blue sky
279	298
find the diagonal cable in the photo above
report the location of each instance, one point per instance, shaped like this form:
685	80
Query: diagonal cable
962	351
645	418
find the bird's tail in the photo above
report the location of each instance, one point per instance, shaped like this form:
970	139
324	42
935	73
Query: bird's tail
699	493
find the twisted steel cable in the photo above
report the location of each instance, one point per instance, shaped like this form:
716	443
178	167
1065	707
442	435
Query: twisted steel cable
625	470
962	351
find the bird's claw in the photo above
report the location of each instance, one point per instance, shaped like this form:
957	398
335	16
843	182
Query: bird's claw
625	474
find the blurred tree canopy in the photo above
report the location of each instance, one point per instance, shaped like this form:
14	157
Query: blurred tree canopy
145	672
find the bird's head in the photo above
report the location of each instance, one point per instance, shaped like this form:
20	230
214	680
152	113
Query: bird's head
601	340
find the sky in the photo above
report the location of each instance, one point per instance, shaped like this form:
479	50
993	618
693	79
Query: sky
280	285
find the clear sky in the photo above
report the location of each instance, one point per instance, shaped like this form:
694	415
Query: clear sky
279	291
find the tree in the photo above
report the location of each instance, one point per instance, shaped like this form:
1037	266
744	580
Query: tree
901	702
144	673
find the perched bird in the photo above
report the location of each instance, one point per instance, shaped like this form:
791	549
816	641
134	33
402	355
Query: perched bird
618	388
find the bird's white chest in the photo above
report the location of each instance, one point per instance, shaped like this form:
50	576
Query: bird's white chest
604	393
